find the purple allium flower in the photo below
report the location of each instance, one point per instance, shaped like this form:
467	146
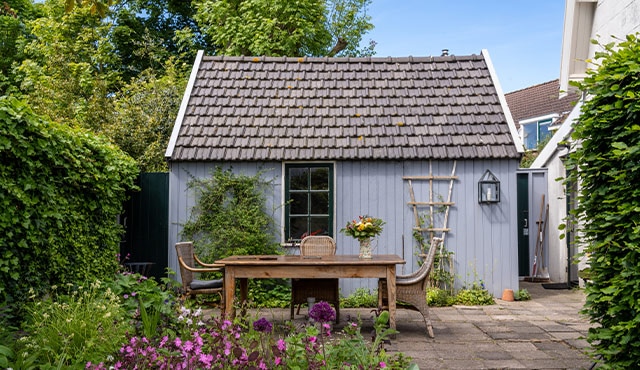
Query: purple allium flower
263	326
322	312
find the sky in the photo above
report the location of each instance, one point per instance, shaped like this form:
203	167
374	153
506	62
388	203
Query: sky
523	38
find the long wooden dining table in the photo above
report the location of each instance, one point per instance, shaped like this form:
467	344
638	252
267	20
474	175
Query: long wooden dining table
307	267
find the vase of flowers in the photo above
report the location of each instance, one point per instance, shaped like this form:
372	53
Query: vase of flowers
364	228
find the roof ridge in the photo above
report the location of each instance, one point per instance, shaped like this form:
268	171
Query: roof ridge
557	80
388	59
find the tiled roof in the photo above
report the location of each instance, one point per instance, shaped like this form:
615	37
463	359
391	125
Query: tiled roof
268	108
540	100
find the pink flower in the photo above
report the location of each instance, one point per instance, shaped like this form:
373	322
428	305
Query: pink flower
188	346
278	360
282	345
382	364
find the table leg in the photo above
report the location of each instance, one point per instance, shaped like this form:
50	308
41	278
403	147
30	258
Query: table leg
244	289
229	290
391	294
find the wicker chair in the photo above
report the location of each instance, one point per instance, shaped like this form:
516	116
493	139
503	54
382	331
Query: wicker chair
412	289
191	286
321	289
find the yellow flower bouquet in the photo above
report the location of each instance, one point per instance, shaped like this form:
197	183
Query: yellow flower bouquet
364	227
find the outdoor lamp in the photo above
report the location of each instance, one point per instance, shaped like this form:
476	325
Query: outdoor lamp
488	188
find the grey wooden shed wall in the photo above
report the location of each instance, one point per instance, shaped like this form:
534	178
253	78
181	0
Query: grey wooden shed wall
482	237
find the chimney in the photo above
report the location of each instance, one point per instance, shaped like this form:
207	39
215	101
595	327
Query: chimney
445	52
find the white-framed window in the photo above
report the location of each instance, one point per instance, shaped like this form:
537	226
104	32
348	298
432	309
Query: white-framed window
535	131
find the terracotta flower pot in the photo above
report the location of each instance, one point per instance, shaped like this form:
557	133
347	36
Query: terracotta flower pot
507	295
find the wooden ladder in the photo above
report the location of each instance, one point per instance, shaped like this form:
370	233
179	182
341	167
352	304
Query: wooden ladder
431	203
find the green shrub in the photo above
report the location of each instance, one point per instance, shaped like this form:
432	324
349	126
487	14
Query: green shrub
521	295
62	189
476	295
606	164
361	297
83	323
437	297
269	293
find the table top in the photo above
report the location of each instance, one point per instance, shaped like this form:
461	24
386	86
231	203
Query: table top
338	259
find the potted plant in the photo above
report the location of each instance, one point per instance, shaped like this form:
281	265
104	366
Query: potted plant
364	229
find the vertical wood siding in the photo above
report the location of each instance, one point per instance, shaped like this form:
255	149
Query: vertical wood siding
483	238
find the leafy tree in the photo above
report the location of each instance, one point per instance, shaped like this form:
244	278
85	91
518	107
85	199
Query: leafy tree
148	32
61	189
285	28
606	165
145	110
70	69
13	14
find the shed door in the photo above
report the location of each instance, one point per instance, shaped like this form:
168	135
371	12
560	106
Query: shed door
523	224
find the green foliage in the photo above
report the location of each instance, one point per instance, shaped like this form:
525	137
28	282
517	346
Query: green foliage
606	164
437	297
230	216
284	28
13	14
83	323
530	155
70	69
269	293
148	32
476	295
61	191
521	295
145	111
361	297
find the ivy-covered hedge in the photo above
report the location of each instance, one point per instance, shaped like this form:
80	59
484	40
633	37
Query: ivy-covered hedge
607	165
61	190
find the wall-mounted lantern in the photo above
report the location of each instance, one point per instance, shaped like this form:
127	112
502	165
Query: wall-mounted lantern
488	188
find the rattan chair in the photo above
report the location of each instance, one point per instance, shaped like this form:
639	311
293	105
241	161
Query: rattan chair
188	270
321	289
412	289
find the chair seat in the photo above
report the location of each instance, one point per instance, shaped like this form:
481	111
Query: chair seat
206	284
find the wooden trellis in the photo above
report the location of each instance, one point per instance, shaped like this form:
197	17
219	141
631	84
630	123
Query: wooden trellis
432	203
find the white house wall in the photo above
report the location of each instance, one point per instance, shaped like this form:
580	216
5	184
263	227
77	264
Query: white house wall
483	238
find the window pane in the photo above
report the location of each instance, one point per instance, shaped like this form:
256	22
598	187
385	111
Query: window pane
320	203
544	132
297	227
299	204
320	178
530	133
319	226
298	178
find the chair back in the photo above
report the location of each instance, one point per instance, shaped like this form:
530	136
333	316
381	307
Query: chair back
185	255
425	269
318	245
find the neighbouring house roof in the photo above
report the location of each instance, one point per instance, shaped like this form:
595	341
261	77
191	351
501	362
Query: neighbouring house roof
281	108
540	100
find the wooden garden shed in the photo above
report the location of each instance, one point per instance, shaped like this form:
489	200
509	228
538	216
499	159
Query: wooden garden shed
403	139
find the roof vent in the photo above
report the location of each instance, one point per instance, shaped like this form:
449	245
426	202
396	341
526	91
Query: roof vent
445	52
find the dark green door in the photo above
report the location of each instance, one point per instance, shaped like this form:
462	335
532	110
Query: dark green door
523	224
146	218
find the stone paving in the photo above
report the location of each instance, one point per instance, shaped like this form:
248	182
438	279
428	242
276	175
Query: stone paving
546	332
